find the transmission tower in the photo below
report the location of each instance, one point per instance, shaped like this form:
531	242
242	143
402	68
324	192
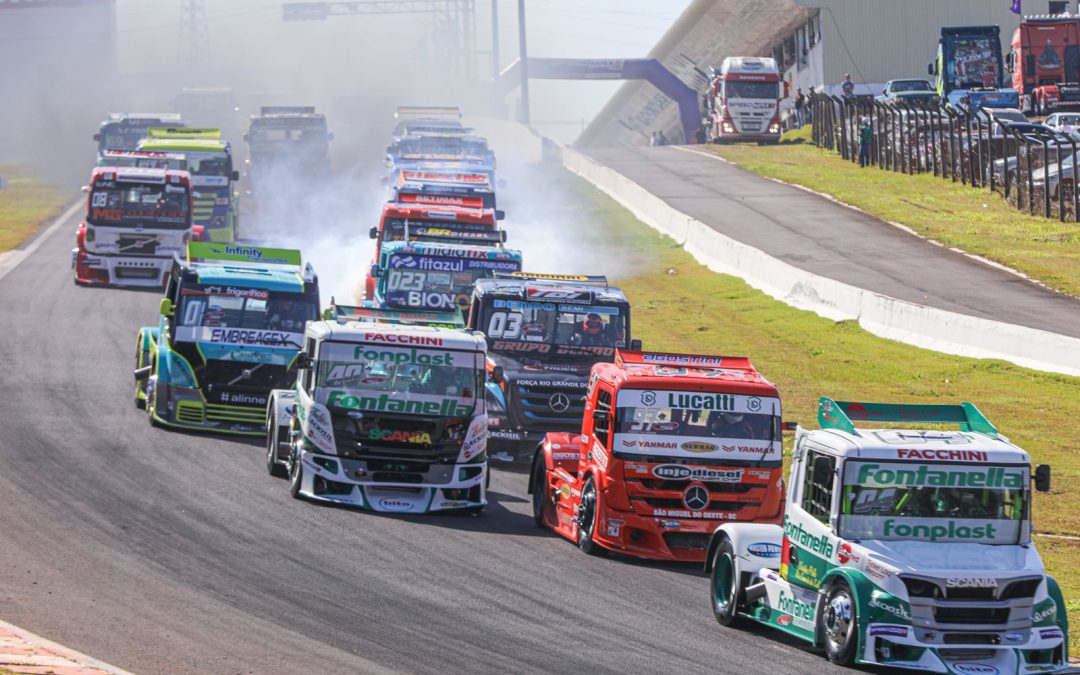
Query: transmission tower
194	35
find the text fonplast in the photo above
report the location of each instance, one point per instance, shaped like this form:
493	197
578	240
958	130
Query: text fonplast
398	356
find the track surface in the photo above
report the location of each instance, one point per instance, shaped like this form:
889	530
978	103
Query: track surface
833	241
165	552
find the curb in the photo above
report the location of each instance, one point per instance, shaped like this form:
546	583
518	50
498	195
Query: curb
882	315
24	652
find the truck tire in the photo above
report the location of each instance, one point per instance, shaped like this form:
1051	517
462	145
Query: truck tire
839	624
140	387
273	465
728	596
296	476
151	404
587	509
541	498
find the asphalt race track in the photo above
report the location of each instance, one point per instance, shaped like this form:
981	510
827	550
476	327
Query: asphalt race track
166	552
825	238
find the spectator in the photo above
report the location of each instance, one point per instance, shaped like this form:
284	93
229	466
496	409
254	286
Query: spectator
654	140
848	86
661	139
701	135
809	108
866	137
800	107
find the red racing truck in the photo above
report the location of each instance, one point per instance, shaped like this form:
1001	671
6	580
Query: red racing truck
1045	64
671	445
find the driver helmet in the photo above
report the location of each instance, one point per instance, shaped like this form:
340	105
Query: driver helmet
592	325
733	418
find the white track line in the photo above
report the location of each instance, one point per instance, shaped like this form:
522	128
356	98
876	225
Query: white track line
11	259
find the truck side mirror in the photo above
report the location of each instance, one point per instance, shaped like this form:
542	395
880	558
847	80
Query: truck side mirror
635	345
375	271
497	375
97	137
373	233
235	175
301	362
500	214
166	307
1042	478
822	474
85	188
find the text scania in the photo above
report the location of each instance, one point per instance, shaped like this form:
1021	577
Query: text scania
447	407
701	401
953	530
925	476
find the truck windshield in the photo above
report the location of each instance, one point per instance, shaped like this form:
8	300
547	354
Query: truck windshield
208	163
122	136
705	424
981	503
410	380
909	85
290	133
437	282
546	329
737	89
395	229
261	317
975	61
122	204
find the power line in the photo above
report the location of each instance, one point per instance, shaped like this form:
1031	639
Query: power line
145	29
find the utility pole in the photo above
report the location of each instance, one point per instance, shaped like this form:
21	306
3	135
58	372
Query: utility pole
524	63
494	39
194	35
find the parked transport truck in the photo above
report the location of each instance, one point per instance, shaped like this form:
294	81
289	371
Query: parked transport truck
743	100
1044	61
969	68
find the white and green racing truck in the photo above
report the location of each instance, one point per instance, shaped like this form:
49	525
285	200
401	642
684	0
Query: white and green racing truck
384	416
908	548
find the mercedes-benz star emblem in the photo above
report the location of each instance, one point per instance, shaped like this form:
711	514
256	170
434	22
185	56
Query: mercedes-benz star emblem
696	497
559	402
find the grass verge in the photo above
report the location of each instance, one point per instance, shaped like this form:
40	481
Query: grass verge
25	205
679	305
976	221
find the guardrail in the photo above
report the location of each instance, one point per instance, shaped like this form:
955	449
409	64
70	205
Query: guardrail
1031	166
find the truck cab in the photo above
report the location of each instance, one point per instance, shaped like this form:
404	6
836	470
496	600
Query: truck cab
229	328
969	70
669	446
905	545
137	219
420	120
385	417
545	332
123	131
287	144
442	187
435	276
1044	60
743	100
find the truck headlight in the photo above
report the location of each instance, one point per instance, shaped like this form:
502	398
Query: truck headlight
774	129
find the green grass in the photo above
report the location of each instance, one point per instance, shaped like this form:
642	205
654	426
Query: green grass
25	205
976	221
679	305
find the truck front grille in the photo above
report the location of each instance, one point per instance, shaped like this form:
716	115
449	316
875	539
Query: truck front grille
541	407
971	615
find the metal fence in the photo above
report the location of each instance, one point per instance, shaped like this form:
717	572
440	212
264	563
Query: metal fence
1031	166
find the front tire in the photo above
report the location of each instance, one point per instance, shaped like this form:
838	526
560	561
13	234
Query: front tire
727	595
273	466
541	498
587	510
296	476
140	386
839	625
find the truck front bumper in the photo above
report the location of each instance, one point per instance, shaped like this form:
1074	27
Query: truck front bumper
674	539
117	270
185	408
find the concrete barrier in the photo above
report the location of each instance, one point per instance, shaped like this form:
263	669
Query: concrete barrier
888	317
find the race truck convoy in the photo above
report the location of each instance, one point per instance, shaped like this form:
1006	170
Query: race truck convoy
403	317
123	131
473	190
230	325
419	120
669	445
136	221
906	547
1045	64
287	144
384	417
436	276
969	68
743	100
545	332
209	161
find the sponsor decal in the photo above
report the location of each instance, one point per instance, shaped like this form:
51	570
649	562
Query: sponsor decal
240	398
393	338
698	515
974	669
701	401
763	549
399	356
393	436
971	582
699	447
876	570
570	384
801	612
648	398
759	474
877	475
447	407
819	544
646	445
682	359
700	473
558	294
953	530
599	455
895	631
944	455
244	336
1047	613
564	490
877	603
392	504
453	505
564	456
845	555
783	620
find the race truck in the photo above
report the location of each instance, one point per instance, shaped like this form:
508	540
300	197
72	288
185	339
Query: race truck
1045	64
436	276
468	150
136	221
402	317
743	100
123	131
445	224
230	325
287	144
209	161
383	417
144	160
669	445
906	545
473	190
545	332
969	69
417	120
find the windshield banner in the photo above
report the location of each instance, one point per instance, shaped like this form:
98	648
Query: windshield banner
734	449
698	400
240	337
954	530
416	262
881	475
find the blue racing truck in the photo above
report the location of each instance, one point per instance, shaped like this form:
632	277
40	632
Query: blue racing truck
970	70
231	323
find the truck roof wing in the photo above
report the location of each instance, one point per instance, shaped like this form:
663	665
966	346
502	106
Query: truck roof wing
534	276
626	356
970	30
252	256
405	317
287	110
184	132
427	111
839	415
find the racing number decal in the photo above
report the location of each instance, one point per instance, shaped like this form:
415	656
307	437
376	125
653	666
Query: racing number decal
193	313
99	200
403	280
506	325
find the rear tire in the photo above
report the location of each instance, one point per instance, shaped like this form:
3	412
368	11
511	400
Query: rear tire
588	507
541	498
728	595
839	625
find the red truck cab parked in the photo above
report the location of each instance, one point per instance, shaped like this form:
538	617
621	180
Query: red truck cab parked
671	445
1045	64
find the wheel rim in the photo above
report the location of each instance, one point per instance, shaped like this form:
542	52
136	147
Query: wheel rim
838	619
588	511
723	581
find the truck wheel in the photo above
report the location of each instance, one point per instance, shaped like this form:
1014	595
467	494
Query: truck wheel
296	476
839	625
727	590
140	387
587	509
151	405
541	497
273	465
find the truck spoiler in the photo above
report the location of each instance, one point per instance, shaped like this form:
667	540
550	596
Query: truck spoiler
404	317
